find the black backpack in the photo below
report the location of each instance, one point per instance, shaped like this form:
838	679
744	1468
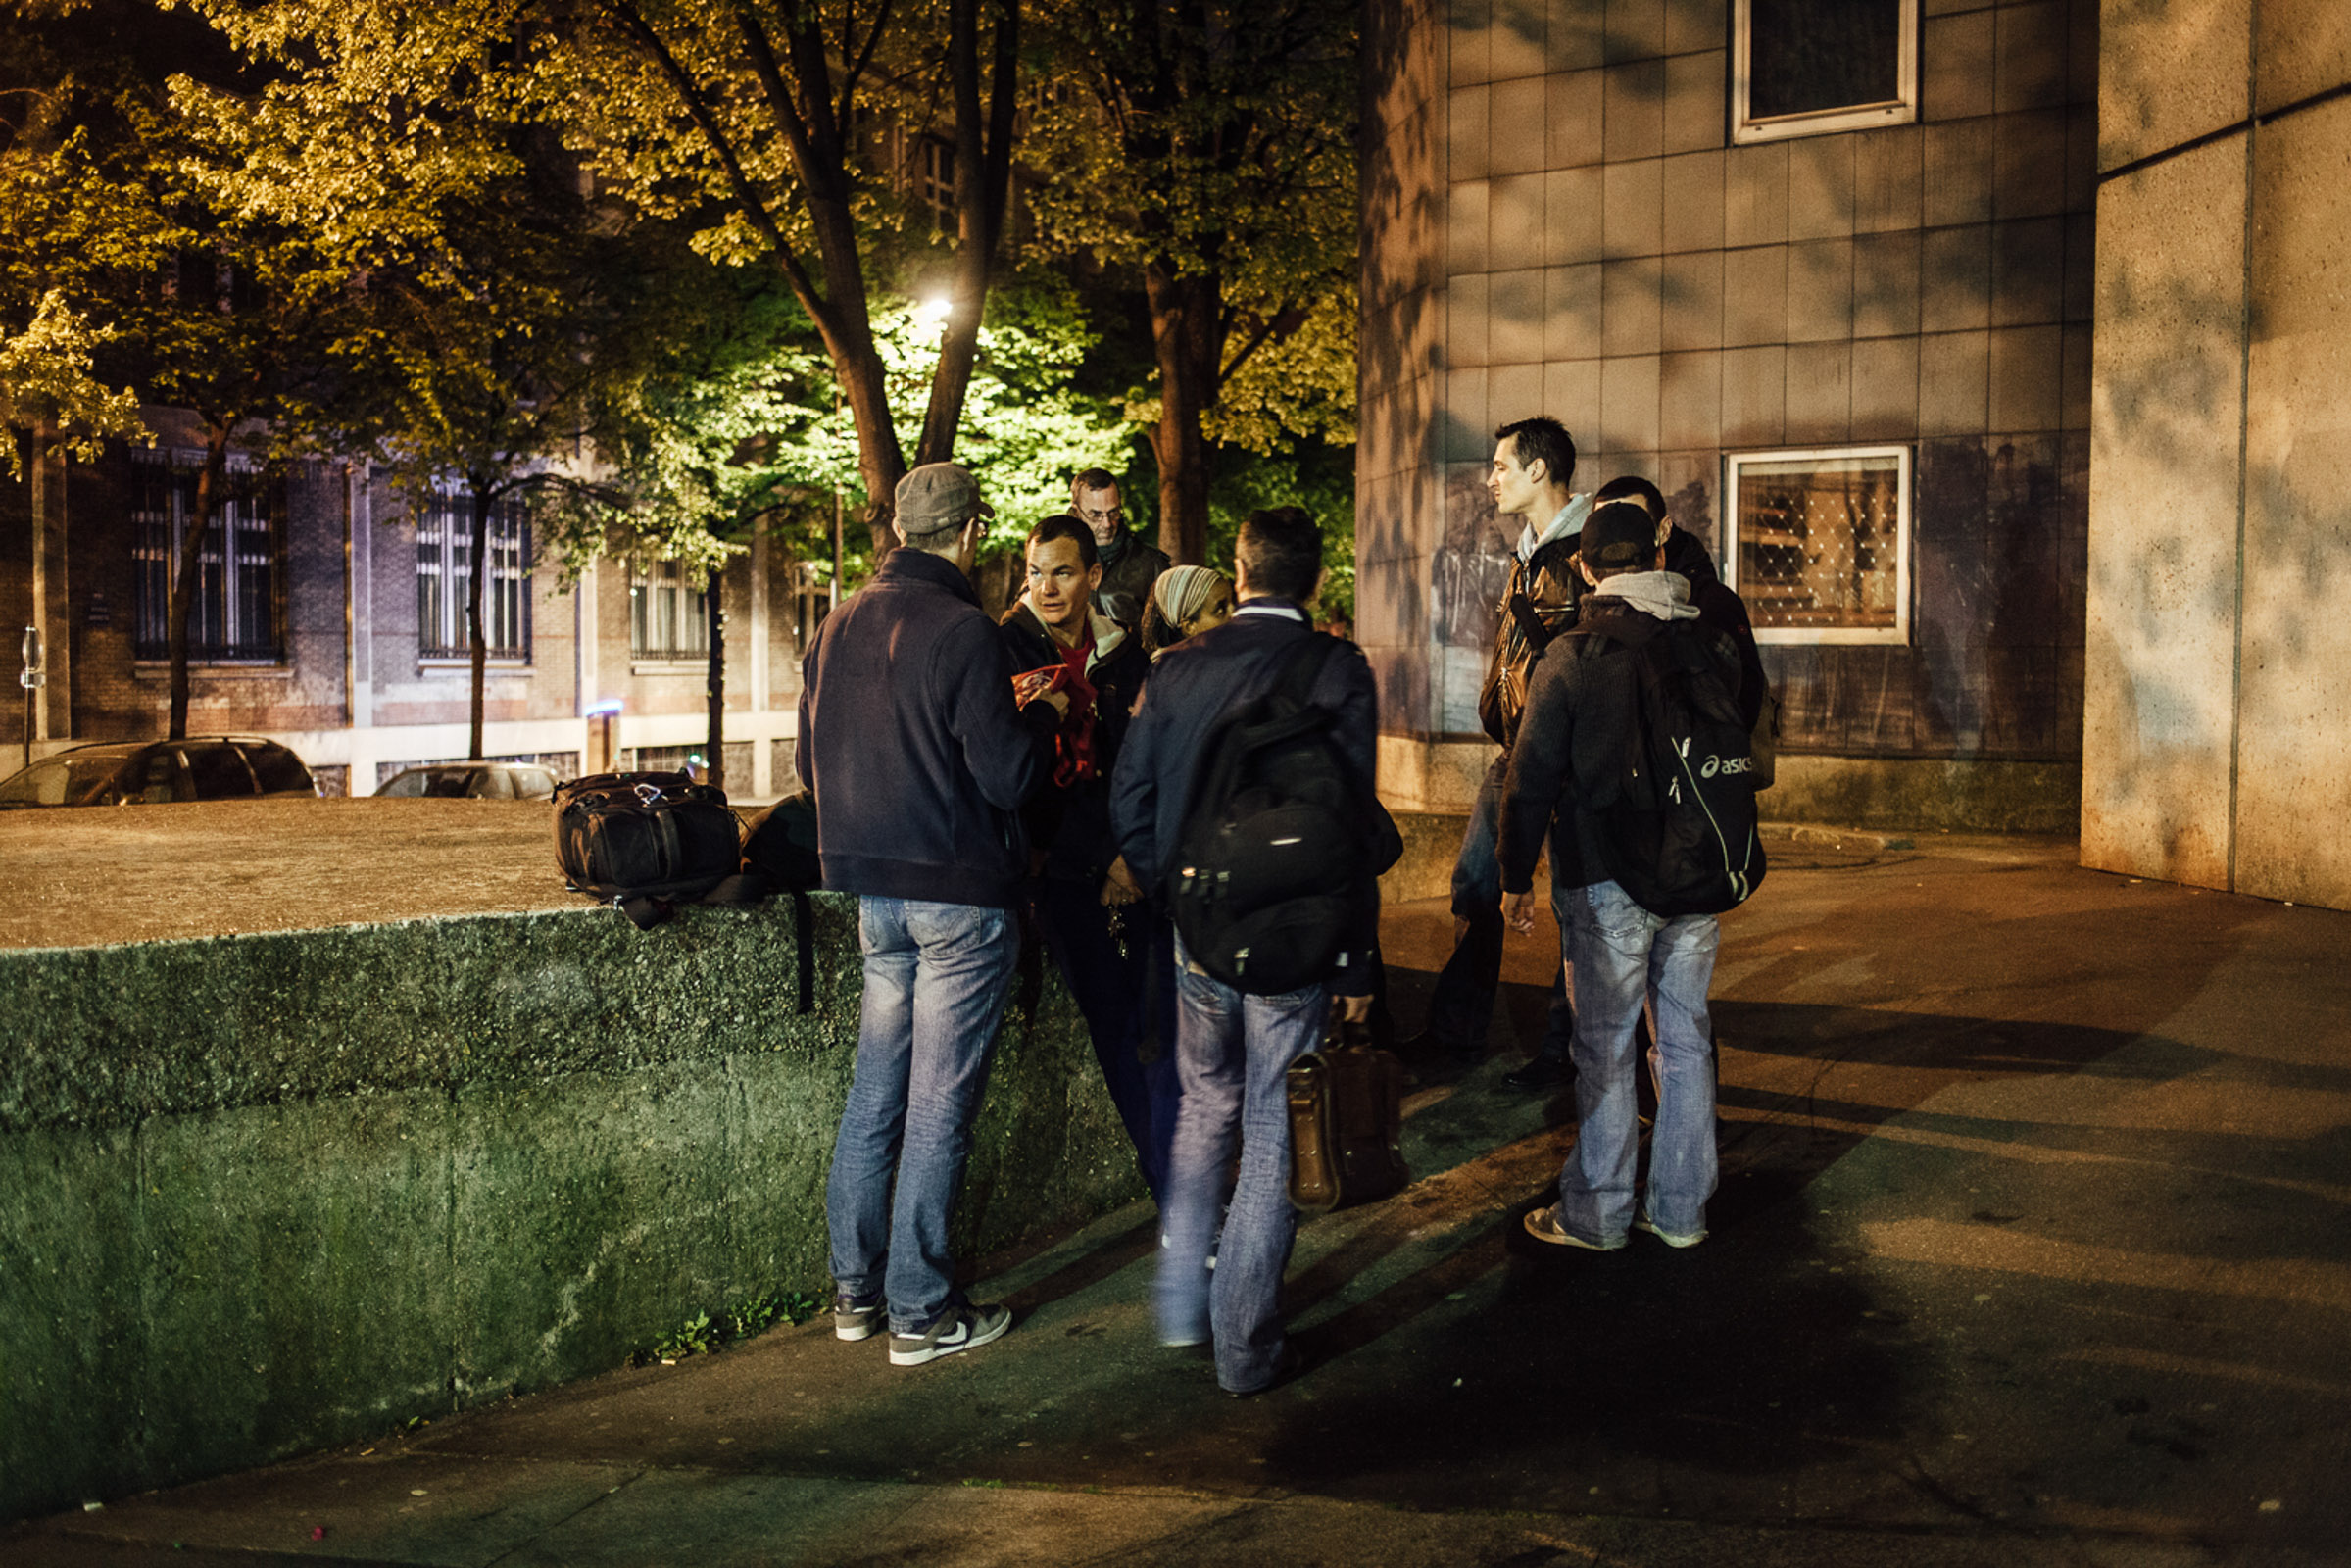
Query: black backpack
1678	814
1281	847
779	855
644	841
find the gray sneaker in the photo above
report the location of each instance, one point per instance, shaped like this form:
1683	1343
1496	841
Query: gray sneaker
958	1329
856	1317
1544	1225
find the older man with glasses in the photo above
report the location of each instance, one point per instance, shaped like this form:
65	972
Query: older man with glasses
1130	563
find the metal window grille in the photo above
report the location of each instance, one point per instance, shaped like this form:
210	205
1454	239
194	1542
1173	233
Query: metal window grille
1819	543
233	616
667	615
1800	68
444	576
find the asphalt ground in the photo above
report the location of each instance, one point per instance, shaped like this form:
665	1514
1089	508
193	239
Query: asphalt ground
2031	1247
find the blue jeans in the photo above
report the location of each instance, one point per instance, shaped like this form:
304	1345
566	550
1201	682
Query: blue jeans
1621	952
1113	990
936	979
1233	1053
1461	1008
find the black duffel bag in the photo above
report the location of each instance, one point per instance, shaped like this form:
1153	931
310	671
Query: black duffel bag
645	842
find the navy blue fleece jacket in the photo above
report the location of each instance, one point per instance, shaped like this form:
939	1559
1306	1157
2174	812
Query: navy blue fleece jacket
910	740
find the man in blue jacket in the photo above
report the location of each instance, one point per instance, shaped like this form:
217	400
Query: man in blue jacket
919	762
1234	1049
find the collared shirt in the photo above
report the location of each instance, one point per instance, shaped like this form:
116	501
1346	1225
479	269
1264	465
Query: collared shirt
1267	605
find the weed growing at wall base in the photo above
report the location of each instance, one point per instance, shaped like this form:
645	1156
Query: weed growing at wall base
702	1333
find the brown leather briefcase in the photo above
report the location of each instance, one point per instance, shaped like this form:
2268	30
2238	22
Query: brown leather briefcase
1345	1124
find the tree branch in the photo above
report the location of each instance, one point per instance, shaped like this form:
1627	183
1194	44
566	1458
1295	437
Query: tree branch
747	195
1281	323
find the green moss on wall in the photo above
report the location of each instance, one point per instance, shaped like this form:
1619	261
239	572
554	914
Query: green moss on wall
263	1193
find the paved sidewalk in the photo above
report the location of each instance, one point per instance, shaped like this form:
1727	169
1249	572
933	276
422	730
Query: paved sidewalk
2030	1249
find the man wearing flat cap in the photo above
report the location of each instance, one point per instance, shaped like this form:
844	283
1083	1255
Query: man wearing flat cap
919	762
1581	701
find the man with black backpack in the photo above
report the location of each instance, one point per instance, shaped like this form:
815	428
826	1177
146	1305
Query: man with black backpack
1243	796
1634	726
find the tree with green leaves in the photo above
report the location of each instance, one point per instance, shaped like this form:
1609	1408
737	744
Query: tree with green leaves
221	312
767	120
731	424
1210	156
48	392
481	280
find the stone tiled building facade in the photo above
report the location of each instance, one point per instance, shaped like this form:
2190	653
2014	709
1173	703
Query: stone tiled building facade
331	620
1853	349
2218	744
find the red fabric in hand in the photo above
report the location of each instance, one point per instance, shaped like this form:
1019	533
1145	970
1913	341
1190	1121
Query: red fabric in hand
1073	744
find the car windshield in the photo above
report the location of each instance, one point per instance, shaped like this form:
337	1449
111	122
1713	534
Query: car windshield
59	781
444	783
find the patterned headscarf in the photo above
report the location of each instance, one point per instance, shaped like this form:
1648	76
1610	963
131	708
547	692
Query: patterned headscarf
1182	591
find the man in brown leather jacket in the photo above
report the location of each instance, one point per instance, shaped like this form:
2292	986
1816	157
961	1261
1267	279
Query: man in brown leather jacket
1534	461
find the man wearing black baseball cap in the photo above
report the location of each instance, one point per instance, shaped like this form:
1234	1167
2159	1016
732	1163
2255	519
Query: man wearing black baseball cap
1579	719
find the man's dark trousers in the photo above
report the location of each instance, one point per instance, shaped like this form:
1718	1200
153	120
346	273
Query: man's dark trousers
1461	1008
1114	991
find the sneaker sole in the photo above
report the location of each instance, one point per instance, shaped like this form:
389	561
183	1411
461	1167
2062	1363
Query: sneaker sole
852	1332
1566	1238
932	1353
1669	1238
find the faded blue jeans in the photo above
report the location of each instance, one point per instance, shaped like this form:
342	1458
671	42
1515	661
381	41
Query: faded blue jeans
936	979
1620	953
1233	1056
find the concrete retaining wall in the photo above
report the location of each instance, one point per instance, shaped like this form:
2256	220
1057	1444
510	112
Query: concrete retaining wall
263	1193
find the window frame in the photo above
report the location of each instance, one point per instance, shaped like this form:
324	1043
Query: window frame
1903	110
246	553
1905	509
446	528
664	577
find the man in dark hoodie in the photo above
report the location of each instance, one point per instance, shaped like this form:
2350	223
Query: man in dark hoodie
1089	905
919	762
1571	743
1719	609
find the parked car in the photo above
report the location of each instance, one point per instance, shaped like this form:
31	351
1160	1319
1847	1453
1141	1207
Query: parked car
202	767
472	781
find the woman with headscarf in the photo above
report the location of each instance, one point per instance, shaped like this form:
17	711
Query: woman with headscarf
1185	602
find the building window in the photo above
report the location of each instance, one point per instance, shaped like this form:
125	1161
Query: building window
1819	543
667	615
1800	68
935	177
445	571
233	618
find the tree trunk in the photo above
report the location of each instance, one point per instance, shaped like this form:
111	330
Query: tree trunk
1184	332
983	167
190	566
881	461
715	687
478	632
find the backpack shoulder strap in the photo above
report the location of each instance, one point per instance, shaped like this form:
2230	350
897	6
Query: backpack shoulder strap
1303	668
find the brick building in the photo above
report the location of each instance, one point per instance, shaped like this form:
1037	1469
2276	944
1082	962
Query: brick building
332	619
